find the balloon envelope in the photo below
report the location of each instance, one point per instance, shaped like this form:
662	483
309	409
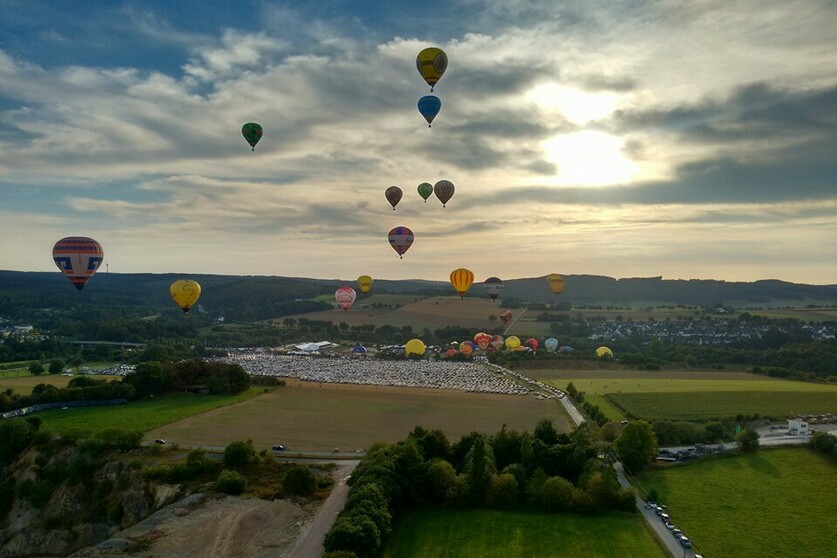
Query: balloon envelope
393	195
431	64
497	342
604	352
493	287
461	279
429	106
466	348
185	293
78	257
483	340
512	342
401	238
365	283
425	190
551	344
252	132
444	191
359	349
506	317
556	283
345	297
414	347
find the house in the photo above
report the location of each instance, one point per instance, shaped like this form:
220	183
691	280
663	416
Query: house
798	427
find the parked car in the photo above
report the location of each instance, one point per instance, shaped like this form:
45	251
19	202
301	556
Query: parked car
159	441
279	447
650	505
665	517
686	542
335	450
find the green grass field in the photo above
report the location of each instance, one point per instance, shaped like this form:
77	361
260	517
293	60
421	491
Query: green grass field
778	502
437	533
141	415
317	417
692	394
724	404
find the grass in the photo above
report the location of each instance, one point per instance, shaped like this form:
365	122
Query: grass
312	416
610	411
723	404
140	415
438	533
778	502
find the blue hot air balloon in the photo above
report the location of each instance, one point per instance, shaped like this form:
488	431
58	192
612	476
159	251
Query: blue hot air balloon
429	106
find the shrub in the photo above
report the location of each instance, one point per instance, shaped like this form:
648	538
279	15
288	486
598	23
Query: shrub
299	481
231	482
239	454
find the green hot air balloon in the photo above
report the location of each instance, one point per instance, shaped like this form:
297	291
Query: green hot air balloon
425	190
252	132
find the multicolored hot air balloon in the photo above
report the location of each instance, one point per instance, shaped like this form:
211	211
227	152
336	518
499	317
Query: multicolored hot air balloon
444	191
497	342
345	297
506	317
365	283
185	294
431	64
414	347
252	132
401	238
551	344
603	352
466	348
78	257
461	279
483	340
429	106
493	287
556	283
393	195
532	343
425	190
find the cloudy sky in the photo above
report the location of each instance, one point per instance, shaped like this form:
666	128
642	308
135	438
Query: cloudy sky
629	138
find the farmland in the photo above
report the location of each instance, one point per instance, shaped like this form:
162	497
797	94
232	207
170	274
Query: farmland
430	533
312	416
776	502
690	394
25	383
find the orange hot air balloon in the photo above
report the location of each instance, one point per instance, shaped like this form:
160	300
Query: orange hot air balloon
483	340
556	283
461	279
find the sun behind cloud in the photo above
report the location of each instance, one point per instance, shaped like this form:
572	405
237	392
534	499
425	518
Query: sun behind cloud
589	158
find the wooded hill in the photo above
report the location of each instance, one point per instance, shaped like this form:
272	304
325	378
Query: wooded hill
263	297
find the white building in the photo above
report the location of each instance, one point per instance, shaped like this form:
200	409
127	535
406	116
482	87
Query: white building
798	428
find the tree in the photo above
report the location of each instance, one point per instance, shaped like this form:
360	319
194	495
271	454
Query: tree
545	432
637	446
747	440
56	366
502	491
556	494
239	454
479	466
299	481
36	368
231	482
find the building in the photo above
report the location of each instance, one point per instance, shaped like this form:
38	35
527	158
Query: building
798	428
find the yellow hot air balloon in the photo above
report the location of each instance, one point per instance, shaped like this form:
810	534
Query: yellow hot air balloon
431	64
414	347
365	283
602	352
185	293
556	283
512	342
461	279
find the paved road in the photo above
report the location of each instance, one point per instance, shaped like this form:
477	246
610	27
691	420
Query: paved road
310	542
571	410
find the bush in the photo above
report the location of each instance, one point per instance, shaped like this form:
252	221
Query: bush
299	481
231	482
239	454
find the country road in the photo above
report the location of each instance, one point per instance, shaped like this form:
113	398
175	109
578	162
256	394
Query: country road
310	542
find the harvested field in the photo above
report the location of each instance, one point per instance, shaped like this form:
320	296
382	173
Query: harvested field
317	417
24	384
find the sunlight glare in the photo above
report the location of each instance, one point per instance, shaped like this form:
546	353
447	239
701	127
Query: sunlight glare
589	158
577	106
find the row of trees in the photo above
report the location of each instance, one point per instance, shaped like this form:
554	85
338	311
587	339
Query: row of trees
151	378
543	470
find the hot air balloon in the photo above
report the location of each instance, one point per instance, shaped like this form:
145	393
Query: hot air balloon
444	191
551	344
493	287
431	64
185	293
359	350
506	317
532	343
429	106
450	353
425	190
345	297
461	279
512	342
483	340
393	194
497	342
466	348
401	238
556	283
414	347
365	283
566	349
252	132
603	352
78	257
